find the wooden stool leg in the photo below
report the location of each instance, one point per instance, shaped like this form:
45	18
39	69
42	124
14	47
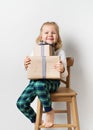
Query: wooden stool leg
68	114
39	115
75	113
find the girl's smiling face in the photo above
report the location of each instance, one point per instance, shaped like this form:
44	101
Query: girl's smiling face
49	34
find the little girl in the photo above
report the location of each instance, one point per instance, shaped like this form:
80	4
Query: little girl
49	33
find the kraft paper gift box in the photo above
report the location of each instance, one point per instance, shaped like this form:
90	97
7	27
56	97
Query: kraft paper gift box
43	68
43	50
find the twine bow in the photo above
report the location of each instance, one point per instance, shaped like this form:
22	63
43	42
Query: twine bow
45	43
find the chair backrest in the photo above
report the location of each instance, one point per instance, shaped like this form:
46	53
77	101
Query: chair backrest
70	62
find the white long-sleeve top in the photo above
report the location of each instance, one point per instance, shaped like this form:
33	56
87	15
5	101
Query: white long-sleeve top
60	52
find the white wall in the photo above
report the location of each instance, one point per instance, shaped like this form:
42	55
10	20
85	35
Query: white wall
20	21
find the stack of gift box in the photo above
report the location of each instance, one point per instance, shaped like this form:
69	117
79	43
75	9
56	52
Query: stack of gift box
42	63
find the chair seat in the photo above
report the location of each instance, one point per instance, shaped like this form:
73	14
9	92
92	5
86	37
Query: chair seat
63	91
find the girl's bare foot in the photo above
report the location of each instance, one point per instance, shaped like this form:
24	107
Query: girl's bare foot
49	119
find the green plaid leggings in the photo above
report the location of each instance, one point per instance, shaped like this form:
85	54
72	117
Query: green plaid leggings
42	89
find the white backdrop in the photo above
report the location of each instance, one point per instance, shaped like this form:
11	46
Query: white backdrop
20	21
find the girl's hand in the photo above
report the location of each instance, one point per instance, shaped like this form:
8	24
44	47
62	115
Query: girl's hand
27	61
59	67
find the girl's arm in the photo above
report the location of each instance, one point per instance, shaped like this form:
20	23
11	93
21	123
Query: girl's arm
62	65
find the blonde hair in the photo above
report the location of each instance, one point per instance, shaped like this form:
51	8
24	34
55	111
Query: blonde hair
59	41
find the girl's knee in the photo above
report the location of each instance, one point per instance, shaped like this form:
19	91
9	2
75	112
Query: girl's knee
18	104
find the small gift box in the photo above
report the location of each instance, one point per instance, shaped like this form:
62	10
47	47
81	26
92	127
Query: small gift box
43	49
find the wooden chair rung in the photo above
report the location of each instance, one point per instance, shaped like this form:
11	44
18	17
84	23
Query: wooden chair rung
58	111
60	126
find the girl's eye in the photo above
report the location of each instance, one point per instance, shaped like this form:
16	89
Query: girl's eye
46	32
53	33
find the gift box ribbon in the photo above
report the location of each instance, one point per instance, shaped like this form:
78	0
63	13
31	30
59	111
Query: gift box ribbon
44	57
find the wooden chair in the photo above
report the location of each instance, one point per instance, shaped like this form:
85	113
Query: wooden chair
64	94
